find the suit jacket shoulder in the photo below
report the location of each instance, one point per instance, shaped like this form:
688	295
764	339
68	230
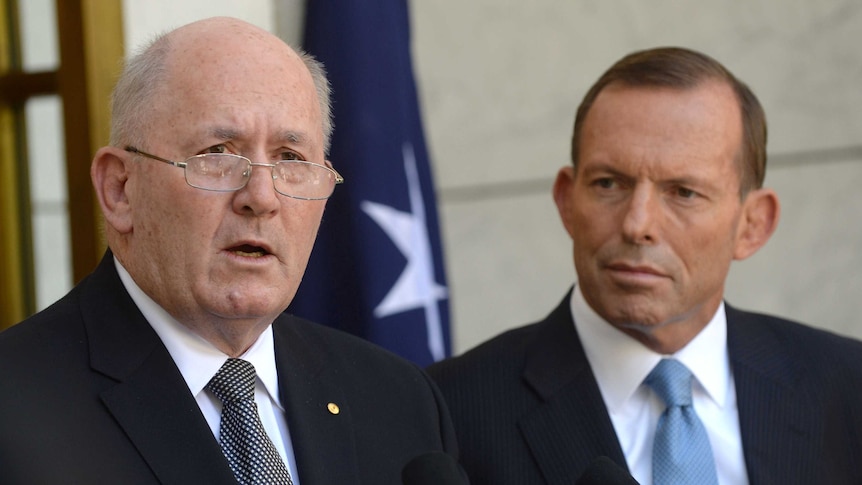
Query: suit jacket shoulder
386	410
88	394
798	393
526	406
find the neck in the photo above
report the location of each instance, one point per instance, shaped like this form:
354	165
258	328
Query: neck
233	337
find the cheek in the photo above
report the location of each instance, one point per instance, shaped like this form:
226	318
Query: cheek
708	251
180	229
302	222
590	232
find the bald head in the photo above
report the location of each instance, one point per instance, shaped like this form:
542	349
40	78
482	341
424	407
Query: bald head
219	42
197	53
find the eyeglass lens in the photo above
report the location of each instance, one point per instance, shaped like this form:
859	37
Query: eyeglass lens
227	172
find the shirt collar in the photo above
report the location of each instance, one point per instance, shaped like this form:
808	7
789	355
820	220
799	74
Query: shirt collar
621	363
197	359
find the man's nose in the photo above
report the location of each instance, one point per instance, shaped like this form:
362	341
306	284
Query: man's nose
641	215
258	195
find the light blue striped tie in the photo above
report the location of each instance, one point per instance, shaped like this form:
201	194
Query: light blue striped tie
681	453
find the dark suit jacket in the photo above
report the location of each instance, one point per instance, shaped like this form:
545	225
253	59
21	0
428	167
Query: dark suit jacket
527	408
90	395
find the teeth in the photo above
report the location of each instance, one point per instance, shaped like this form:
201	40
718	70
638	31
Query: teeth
253	254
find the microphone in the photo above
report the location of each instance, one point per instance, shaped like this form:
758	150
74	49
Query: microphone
435	468
603	471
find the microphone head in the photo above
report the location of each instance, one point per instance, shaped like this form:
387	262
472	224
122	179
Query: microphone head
434	468
603	471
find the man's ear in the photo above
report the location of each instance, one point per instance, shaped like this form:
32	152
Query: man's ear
564	186
760	213
109	173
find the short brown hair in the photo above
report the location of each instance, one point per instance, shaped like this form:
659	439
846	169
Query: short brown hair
679	68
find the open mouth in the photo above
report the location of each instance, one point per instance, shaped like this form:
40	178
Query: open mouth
249	251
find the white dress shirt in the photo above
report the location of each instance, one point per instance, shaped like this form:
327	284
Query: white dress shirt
620	365
198	361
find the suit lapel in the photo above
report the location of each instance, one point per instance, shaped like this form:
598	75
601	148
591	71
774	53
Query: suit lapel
323	440
161	418
150	401
571	427
774	415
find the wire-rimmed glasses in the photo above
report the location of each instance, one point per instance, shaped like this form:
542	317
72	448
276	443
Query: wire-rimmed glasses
227	172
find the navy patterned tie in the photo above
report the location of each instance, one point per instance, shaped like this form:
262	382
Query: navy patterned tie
249	451
681	453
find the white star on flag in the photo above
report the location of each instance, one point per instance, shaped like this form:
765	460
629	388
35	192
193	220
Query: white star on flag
416	287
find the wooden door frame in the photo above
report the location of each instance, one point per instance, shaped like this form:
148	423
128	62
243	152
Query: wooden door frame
90	37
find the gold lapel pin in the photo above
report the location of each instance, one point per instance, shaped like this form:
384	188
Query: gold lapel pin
333	408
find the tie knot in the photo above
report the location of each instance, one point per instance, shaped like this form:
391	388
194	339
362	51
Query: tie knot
234	381
671	380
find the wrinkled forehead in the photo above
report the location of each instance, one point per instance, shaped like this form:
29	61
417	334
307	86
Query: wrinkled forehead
218	52
237	75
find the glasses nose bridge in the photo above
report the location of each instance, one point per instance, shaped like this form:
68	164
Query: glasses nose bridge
251	166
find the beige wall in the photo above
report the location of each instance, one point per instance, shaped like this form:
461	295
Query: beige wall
500	81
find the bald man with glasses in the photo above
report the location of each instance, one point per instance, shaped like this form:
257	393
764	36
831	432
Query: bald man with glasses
173	362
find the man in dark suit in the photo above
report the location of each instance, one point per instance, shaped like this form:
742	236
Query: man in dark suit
212	190
664	192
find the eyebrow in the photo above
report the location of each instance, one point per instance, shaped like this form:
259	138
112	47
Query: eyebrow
293	137
224	133
290	136
684	180
599	167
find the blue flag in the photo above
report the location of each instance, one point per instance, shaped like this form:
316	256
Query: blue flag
377	267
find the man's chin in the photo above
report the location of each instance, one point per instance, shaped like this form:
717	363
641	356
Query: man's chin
636	310
247	309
